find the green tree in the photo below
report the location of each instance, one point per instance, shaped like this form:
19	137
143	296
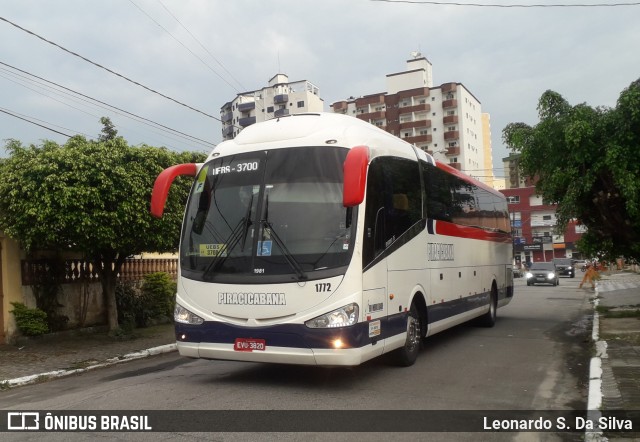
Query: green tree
586	161
92	197
109	131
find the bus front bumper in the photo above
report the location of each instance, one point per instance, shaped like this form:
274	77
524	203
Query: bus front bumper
282	355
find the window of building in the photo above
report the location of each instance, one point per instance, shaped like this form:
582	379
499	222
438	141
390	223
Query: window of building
300	104
514	199
270	109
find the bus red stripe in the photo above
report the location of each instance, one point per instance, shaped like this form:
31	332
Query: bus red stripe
450	229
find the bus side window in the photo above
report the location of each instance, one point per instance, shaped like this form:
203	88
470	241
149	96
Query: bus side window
394	203
438	193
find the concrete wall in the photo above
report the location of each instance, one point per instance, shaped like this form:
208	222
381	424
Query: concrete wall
81	302
10	285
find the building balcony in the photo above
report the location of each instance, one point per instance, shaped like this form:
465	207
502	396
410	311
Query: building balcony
418	139
378	115
281	113
247	107
450	119
281	98
457	166
246	121
227	131
450	104
339	106
448	87
371	100
425	107
451	135
418	123
418	92
455	150
226	117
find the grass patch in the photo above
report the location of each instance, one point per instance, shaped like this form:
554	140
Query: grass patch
614	312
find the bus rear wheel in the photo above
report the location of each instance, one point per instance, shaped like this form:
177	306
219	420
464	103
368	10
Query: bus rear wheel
489	318
407	354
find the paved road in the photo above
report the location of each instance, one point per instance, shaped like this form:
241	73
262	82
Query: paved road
535	358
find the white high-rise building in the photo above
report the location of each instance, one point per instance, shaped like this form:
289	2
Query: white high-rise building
446	120
278	99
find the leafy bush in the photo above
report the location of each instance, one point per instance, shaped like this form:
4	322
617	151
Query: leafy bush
127	301
30	321
153	301
158	291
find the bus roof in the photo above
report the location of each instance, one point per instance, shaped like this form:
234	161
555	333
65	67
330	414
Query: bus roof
330	129
315	129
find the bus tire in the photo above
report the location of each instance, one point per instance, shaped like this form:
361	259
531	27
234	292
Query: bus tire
489	318
406	355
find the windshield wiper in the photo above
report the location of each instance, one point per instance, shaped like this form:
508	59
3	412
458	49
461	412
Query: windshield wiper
234	237
288	256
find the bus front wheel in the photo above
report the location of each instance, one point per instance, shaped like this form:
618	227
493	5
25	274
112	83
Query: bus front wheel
407	354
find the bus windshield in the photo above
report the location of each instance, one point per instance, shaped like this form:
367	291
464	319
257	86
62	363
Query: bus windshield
268	216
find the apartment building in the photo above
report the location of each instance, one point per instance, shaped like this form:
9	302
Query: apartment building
279	98
533	221
445	121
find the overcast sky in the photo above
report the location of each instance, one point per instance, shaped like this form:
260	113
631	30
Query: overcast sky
201	53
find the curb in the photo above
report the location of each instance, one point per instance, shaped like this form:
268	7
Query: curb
35	378
594	402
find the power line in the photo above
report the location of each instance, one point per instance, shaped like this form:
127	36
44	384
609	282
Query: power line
109	70
115	109
182	44
29	121
497	5
202	46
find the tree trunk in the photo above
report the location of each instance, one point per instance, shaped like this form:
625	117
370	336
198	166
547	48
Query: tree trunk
108	279
109	268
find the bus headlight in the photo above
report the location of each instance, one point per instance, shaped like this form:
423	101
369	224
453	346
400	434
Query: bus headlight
341	317
184	316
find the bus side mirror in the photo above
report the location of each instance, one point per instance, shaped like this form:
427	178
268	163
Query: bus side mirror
355	176
163	183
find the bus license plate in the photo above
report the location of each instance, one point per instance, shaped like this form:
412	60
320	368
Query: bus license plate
249	344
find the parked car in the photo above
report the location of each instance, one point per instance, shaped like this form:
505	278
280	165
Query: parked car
565	267
542	273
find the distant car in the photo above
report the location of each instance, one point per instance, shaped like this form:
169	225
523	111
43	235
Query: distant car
542	273
565	267
580	264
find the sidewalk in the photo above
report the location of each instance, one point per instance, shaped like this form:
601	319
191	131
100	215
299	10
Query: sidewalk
62	354
618	343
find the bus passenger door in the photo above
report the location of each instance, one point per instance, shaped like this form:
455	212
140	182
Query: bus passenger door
374	261
374	301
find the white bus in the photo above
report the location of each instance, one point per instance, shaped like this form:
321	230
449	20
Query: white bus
321	239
